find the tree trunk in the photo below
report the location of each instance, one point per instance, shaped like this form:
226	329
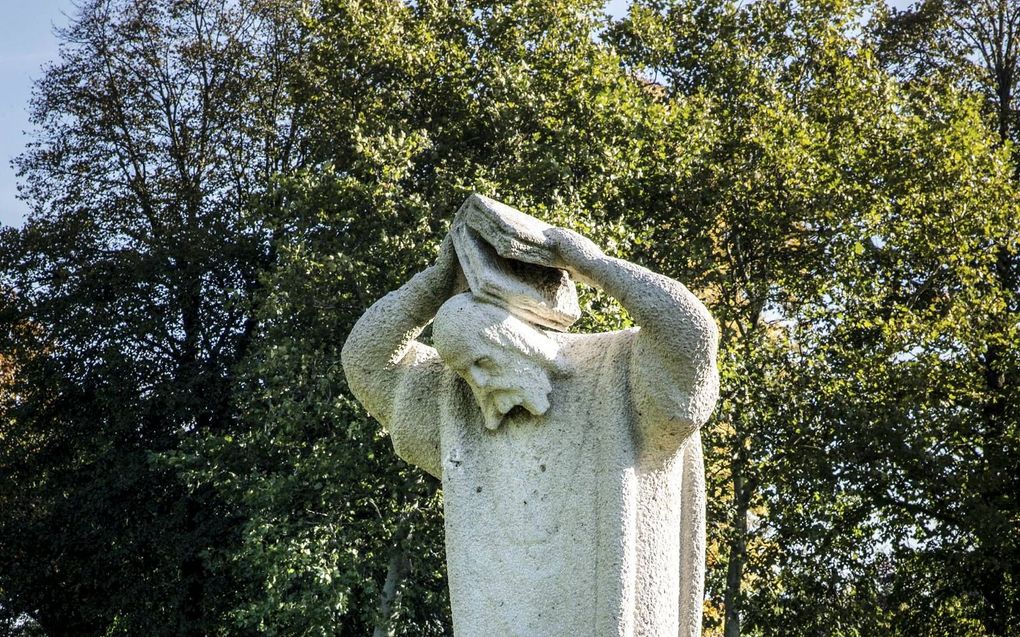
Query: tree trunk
192	577
396	571
738	544
998	482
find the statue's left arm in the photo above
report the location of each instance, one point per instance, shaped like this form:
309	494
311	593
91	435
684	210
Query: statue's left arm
674	375
395	376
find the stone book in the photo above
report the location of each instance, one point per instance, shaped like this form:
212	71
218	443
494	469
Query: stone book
496	246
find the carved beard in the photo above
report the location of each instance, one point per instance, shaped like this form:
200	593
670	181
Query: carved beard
531	396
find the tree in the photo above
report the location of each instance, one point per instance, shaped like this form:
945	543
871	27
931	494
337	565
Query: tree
761	171
973	46
817	160
220	188
157	134
416	106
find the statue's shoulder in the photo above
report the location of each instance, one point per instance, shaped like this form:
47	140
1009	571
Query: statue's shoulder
568	339
598	348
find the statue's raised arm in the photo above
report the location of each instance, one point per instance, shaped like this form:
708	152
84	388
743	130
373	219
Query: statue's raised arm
674	373
384	364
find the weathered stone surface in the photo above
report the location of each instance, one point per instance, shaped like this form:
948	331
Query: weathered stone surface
571	463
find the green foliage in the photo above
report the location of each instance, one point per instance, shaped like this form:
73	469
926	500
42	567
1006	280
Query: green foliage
131	286
831	204
420	106
222	188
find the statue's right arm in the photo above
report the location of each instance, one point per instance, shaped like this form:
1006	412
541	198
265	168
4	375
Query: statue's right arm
386	367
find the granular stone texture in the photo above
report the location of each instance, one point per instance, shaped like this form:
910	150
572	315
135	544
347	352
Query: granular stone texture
571	464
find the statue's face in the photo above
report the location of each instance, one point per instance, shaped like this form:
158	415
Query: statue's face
502	378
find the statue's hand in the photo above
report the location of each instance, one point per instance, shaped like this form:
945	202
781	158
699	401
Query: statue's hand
571	251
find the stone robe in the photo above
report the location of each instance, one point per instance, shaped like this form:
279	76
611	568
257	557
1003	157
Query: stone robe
572	523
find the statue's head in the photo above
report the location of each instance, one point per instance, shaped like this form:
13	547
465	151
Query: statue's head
506	361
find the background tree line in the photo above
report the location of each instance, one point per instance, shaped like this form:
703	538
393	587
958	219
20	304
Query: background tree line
219	188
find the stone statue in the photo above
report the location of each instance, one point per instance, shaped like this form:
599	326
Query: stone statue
571	464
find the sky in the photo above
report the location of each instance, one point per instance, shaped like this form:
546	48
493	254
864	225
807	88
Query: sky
26	43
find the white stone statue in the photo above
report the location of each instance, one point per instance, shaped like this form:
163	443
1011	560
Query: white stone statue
571	464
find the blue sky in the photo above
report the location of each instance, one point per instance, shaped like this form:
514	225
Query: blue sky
26	43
